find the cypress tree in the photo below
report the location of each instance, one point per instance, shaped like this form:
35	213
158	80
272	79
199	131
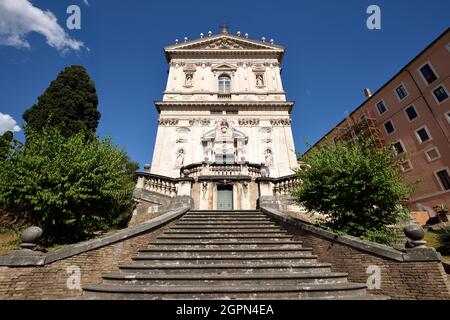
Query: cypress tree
69	103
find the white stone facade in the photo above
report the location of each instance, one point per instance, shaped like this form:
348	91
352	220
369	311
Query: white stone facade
250	109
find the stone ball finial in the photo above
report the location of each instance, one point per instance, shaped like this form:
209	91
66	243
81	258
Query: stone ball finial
185	39
271	41
263	39
415	233
30	236
238	33
246	35
209	33
201	35
147	167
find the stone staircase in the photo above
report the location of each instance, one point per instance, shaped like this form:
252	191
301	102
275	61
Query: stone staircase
226	255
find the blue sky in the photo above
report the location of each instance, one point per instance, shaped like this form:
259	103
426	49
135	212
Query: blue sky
331	56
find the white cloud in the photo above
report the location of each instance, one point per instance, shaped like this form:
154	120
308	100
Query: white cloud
7	123
19	17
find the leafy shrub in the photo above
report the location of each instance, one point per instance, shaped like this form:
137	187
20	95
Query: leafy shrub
356	186
69	186
444	239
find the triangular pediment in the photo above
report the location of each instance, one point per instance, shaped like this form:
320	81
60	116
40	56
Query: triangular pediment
224	42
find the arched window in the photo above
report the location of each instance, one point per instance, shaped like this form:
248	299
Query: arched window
224	84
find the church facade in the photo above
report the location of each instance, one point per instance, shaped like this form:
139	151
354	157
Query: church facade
224	131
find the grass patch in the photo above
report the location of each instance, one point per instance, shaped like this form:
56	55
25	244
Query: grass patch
9	241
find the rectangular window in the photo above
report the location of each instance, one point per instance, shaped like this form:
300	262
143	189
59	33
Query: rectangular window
428	73
411	113
381	107
432	154
406	166
232	112
441	94
401	92
422	135
216	111
389	127
398	148
444	177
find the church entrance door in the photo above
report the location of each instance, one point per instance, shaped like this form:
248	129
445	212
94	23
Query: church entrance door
225	197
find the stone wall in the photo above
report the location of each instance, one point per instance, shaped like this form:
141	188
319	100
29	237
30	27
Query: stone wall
411	274
49	276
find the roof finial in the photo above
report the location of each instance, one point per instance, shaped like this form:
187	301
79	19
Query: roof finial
224	27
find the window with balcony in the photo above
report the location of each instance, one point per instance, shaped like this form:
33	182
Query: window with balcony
428	74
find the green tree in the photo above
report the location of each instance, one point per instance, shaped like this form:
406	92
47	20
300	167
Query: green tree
69	103
356	186
69	186
5	144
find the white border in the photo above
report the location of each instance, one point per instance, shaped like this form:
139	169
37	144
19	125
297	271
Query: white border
389	133
403	147
431	149
432	69
406	114
378	111
434	96
428	133
439	180
396	94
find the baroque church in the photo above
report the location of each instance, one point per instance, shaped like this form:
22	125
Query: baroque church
224	131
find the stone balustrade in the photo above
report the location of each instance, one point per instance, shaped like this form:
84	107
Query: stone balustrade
159	184
221	169
284	185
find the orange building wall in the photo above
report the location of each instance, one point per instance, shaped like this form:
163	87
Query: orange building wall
427	189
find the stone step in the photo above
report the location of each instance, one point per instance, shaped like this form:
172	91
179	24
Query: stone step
223	220
217	247
244	228
234	242
226	231
222	212
109	291
224	258
241	252
220	216
267	279
225	268
225	223
231	236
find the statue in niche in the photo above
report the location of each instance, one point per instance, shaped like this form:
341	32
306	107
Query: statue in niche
189	78
259	80
204	188
245	187
268	158
180	158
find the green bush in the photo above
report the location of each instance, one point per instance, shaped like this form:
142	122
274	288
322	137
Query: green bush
356	187
69	186
444	239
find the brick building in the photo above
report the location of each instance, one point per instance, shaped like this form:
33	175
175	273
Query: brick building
411	111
